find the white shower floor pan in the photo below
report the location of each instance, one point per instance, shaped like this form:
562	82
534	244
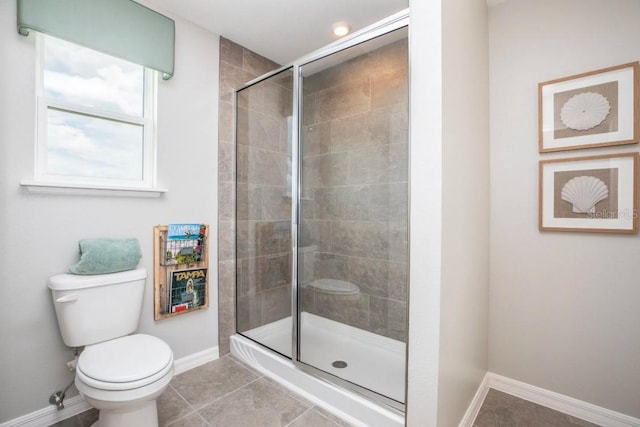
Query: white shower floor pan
374	362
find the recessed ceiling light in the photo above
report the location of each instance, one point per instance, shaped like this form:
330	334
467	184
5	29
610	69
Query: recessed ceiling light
341	29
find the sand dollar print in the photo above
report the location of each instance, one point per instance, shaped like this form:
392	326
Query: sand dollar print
585	111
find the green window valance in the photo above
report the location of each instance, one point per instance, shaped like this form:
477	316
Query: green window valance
121	28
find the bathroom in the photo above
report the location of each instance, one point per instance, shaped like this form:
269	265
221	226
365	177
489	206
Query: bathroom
488	291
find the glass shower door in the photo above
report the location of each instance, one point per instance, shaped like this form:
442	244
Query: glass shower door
353	215
263	211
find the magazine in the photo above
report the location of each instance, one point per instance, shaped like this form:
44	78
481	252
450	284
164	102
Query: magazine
185	243
188	289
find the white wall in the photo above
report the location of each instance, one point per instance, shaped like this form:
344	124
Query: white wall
425	211
39	233
449	234
464	303
564	308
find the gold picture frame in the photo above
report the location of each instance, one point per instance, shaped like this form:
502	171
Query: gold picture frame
588	110
592	194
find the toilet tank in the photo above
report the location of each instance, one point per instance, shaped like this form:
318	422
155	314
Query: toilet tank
96	308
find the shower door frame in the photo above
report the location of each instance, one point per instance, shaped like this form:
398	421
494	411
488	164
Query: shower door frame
394	22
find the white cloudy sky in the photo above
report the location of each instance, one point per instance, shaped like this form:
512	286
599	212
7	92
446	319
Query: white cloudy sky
84	145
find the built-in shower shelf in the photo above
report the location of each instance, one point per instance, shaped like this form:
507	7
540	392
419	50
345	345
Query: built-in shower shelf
333	286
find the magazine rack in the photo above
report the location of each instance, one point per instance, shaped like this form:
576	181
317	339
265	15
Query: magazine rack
180	270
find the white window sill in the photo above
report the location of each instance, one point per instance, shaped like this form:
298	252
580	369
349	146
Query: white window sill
40	187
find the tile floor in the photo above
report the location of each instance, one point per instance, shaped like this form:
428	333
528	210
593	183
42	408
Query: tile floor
227	393
503	410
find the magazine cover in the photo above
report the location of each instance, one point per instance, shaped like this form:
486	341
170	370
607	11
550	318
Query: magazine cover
188	289
184	243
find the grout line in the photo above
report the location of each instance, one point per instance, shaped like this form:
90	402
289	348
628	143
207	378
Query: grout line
300	416
181	397
290	393
203	419
236	361
197	411
185	401
178	419
185	416
326	417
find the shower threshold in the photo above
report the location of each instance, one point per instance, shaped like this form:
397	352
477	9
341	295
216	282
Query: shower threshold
324	342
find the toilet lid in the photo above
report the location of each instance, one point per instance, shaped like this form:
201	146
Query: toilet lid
125	359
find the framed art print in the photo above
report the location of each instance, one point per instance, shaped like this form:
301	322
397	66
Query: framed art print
596	194
594	109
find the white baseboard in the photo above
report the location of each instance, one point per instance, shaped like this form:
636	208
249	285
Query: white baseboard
559	402
76	405
196	359
476	403
50	415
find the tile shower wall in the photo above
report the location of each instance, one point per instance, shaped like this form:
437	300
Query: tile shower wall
354	196
237	66
355	191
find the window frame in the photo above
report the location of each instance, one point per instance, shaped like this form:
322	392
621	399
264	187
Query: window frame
147	122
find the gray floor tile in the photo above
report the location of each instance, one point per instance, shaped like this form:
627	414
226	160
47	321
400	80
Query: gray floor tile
503	410
335	419
84	419
69	422
192	420
257	404
291	393
204	384
313	418
171	406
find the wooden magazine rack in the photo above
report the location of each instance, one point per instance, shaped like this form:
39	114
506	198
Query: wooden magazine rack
180	269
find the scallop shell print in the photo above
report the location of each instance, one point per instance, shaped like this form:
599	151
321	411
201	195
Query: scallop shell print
585	111
583	192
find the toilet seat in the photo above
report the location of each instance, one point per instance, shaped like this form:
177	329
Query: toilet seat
125	363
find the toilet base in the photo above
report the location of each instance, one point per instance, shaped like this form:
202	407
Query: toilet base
142	416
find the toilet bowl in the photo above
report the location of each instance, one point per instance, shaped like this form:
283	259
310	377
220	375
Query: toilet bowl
123	377
120	373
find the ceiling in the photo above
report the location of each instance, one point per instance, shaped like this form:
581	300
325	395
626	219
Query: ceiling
281	30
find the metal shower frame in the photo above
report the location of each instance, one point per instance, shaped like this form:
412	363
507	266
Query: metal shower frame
387	25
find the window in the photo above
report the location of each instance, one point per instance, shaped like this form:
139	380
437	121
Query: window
96	118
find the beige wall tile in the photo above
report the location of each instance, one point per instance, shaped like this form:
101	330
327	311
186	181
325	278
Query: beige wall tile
389	202
226	280
352	310
276	205
389	86
389	318
226	161
226	198
316	139
249	314
343	100
249	203
276	304
231	78
226	240
230	52
255	64
225	127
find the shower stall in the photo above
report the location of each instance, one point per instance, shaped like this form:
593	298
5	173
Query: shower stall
322	217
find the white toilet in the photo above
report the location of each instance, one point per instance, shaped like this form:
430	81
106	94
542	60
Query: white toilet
119	374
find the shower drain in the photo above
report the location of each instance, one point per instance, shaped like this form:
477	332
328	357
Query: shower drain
339	364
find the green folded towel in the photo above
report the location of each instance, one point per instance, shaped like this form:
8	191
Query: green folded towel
102	256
